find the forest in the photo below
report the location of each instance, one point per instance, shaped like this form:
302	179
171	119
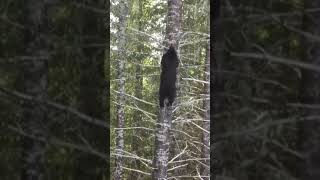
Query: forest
83	88
266	86
53	90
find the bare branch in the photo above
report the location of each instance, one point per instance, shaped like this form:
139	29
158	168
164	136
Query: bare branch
277	60
58	142
60	107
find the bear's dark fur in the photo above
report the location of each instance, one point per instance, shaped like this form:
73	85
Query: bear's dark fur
169	64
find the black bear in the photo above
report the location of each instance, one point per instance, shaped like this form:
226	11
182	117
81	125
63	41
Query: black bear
169	64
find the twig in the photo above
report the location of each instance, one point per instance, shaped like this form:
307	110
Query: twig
60	107
277	59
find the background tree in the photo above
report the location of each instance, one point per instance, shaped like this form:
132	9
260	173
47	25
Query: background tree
121	56
34	78
205	171
136	140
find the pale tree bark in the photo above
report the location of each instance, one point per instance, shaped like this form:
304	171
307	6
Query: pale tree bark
205	171
35	84
162	138
173	26
206	117
310	134
121	85
162	142
139	135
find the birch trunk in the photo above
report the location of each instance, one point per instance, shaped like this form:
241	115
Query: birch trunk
121	97
206	123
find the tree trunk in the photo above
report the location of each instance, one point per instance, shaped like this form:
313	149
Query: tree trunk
310	139
206	117
162	138
137	117
121	97
35	84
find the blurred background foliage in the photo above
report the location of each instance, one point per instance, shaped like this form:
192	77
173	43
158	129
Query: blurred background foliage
77	42
262	103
